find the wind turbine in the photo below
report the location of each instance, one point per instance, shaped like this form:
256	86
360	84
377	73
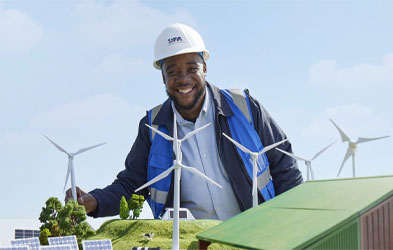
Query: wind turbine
352	147
177	166
70	170
254	157
307	162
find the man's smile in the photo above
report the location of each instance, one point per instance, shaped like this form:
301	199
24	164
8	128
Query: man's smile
185	90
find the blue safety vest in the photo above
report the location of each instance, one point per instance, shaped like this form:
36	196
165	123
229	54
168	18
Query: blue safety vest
242	130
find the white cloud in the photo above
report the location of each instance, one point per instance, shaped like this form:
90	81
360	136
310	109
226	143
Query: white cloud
105	110
121	24
355	120
18	31
328	73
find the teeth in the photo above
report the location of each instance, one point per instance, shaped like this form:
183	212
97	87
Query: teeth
185	91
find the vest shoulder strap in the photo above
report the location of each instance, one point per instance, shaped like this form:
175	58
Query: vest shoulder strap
152	115
240	99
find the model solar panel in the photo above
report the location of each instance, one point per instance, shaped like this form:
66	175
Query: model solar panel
97	244
64	240
15	248
56	247
26	233
33	243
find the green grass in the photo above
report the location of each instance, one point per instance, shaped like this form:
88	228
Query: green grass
129	233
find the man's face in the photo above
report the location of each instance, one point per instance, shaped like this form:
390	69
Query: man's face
184	77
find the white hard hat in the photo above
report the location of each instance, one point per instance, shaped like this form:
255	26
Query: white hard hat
178	39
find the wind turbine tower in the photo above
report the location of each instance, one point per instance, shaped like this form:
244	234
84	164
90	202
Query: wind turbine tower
70	170
177	166
352	145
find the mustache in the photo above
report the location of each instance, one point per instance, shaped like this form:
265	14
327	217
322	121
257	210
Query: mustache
183	84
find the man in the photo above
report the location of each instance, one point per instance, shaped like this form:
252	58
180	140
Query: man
180	54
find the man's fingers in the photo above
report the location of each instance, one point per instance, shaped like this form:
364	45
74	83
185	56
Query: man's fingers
89	202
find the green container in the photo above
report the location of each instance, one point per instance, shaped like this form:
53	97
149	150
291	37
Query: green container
315	215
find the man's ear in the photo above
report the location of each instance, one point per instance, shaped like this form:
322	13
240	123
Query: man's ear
163	77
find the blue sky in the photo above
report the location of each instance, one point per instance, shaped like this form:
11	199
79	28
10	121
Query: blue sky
81	72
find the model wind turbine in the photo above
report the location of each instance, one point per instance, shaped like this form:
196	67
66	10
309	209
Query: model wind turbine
254	157
70	170
177	166
352	147
307	162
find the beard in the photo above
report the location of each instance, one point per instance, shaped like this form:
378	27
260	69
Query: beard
192	105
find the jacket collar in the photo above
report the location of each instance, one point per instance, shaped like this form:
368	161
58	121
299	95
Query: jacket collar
165	115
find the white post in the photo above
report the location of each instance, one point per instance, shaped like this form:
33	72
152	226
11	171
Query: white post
308	171
73	186
353	164
254	181
176	204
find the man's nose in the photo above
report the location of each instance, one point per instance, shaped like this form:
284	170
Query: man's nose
183	77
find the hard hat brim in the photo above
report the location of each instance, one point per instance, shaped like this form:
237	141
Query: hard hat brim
156	63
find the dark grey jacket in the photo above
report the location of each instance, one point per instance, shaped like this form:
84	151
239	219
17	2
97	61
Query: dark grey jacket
283	169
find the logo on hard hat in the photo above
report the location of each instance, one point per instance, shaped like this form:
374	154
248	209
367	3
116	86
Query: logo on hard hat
173	40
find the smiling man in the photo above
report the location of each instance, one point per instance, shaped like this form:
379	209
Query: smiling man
181	55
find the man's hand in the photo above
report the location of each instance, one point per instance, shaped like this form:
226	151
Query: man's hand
85	199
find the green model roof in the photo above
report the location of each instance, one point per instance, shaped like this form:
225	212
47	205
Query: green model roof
302	215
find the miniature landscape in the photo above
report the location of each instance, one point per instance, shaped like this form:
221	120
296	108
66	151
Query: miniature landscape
129	233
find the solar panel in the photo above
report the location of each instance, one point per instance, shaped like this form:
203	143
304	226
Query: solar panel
56	247
33	243
97	244
64	240
26	233
15	248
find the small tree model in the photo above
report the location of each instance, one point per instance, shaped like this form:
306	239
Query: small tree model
44	234
135	204
62	221
124	210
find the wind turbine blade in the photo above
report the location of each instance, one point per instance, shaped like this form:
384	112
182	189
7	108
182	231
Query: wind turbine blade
57	146
320	152
362	139
291	155
347	155
267	148
193	132
68	174
157	178
238	144
197	172
88	148
344	137
160	133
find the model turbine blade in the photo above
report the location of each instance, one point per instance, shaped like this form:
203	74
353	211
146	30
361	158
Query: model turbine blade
88	148
238	144
194	132
291	155
267	148
197	172
344	137
68	173
323	150
362	139
347	155
55	144
160	133
157	178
